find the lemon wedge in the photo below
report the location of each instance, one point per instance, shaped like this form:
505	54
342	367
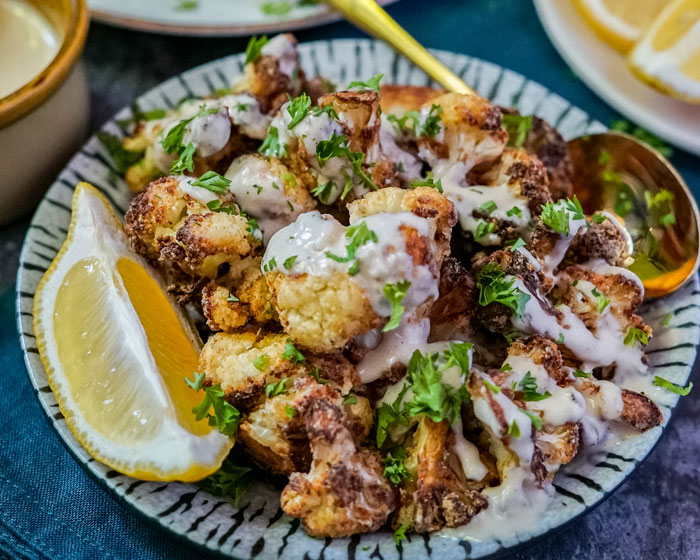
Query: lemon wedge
117	350
620	23
668	55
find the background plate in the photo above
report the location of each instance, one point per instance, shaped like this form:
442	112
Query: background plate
258	528
603	70
209	17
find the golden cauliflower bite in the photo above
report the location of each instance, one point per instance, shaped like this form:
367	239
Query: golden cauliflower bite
457	132
268	191
345	491
331	284
274	434
436	495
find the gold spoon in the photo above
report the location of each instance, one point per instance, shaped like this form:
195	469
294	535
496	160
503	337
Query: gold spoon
612	170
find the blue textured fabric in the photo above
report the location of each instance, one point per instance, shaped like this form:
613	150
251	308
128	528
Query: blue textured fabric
49	507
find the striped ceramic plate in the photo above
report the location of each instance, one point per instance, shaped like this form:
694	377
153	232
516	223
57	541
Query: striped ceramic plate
258	528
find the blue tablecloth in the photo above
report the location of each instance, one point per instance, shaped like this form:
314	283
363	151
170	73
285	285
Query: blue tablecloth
50	508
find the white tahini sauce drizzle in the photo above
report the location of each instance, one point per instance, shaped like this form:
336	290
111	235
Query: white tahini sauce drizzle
245	112
259	190
200	194
383	262
409	165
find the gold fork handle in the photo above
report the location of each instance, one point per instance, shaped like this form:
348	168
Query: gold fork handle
369	16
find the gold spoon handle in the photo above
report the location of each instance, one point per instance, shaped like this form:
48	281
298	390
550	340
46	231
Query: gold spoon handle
369	16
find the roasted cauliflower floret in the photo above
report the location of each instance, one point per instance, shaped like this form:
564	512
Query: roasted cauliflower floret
424	202
435	495
601	240
156	213
345	491
459	128
212	245
322	313
543	141
274	434
331	284
275	74
244	363
267	190
451	315
504	199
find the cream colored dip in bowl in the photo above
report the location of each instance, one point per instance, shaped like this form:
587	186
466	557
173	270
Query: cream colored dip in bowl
44	101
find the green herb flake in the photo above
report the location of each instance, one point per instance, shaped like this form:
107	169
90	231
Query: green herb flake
292	354
493	388
515	211
395	293
272	146
261	362
230	480
581	373
672	387
395	468
517	245
634	334
232	299
494	287
289	262
514	429
254	48
488	207
529	386
122	158
225	416
213	182
276	388
290	411
518	128
372	83
298	108
534	418
400	534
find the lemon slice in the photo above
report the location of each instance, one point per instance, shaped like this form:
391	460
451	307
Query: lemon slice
620	23
668	56
116	351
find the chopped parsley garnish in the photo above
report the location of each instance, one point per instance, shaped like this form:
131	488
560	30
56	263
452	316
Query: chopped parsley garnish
137	115
350	399
431	397
530	393
428	127
270	265
514	429
560	338
230	480
428	182
292	354
252	226
634	334
173	141
298	108
518	128
581	373
232	299
122	158
506	367
277	8
225	417
272	146
515	211
400	534
395	294
492	387
213	182
388	415
358	235
672	387
458	355
323	191
254	48
277	388
185	160
216	206
337	146
518	244
488	207
372	83
667	319
261	362
242	107
290	411
603	302
494	287
534	418
394	468
556	214
328	109
289	262
316	374
483	228
599	218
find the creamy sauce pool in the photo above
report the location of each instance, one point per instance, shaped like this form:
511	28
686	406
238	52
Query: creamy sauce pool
28	44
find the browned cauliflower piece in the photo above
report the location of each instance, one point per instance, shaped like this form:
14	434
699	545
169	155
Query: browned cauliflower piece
345	491
244	363
424	202
212	245
605	240
331	284
469	132
275	74
585	289
322	313
557	446
543	141
398	99
274	434
268	191
156	213
436	495
451	315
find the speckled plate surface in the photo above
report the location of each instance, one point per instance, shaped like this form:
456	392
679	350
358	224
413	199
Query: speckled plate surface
258	528
213	17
